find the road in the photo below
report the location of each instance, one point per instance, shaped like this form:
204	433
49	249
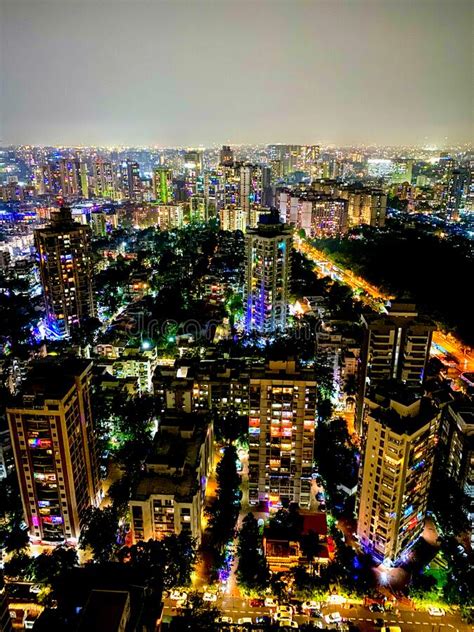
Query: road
442	343
408	620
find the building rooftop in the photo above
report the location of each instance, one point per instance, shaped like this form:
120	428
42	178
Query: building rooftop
172	467
105	611
51	378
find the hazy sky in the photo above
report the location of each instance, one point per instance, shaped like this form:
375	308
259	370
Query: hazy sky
194	72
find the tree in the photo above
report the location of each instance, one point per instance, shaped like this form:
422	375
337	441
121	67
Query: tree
459	588
252	570
19	566
225	510
99	532
230	426
49	567
350	384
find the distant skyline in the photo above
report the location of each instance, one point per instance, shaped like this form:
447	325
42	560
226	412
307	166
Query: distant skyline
201	72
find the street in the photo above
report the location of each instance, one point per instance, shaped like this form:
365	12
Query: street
236	608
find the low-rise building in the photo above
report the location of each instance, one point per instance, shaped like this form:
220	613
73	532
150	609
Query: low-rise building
284	550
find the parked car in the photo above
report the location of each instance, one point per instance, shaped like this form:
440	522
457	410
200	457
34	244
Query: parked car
178	595
436	612
257	603
376	607
244	621
333	617
209	596
228	620
270	602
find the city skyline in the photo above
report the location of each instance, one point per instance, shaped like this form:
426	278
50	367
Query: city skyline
141	85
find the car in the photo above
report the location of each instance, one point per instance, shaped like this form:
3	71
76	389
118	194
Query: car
35	588
288	623
310	605
436	612
244	621
270	602
322	507
264	619
257	603
333	617
178	595
283	614
315	613
285	608
336	599
376	607
224	620
379	623
209	596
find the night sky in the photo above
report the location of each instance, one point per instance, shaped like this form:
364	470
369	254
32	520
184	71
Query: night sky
201	72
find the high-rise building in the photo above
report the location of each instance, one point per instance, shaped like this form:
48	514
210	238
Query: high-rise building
163	185
255	186
456	449
328	217
105	184
226	156
48	179
396	346
267	275
192	171
64	257
395	473
282	414
365	206
53	443
132	181
72	177
454	193
232	218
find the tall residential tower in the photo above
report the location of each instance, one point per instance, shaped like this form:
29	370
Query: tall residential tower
267	275
54	448
64	257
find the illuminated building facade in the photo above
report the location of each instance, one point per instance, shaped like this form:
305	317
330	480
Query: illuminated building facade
395	473
163	185
267	275
396	346
53	444
456	449
105	183
255	186
454	194
282	400
132	181
73	178
63	250
169	497
365	206
232	218
226	156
